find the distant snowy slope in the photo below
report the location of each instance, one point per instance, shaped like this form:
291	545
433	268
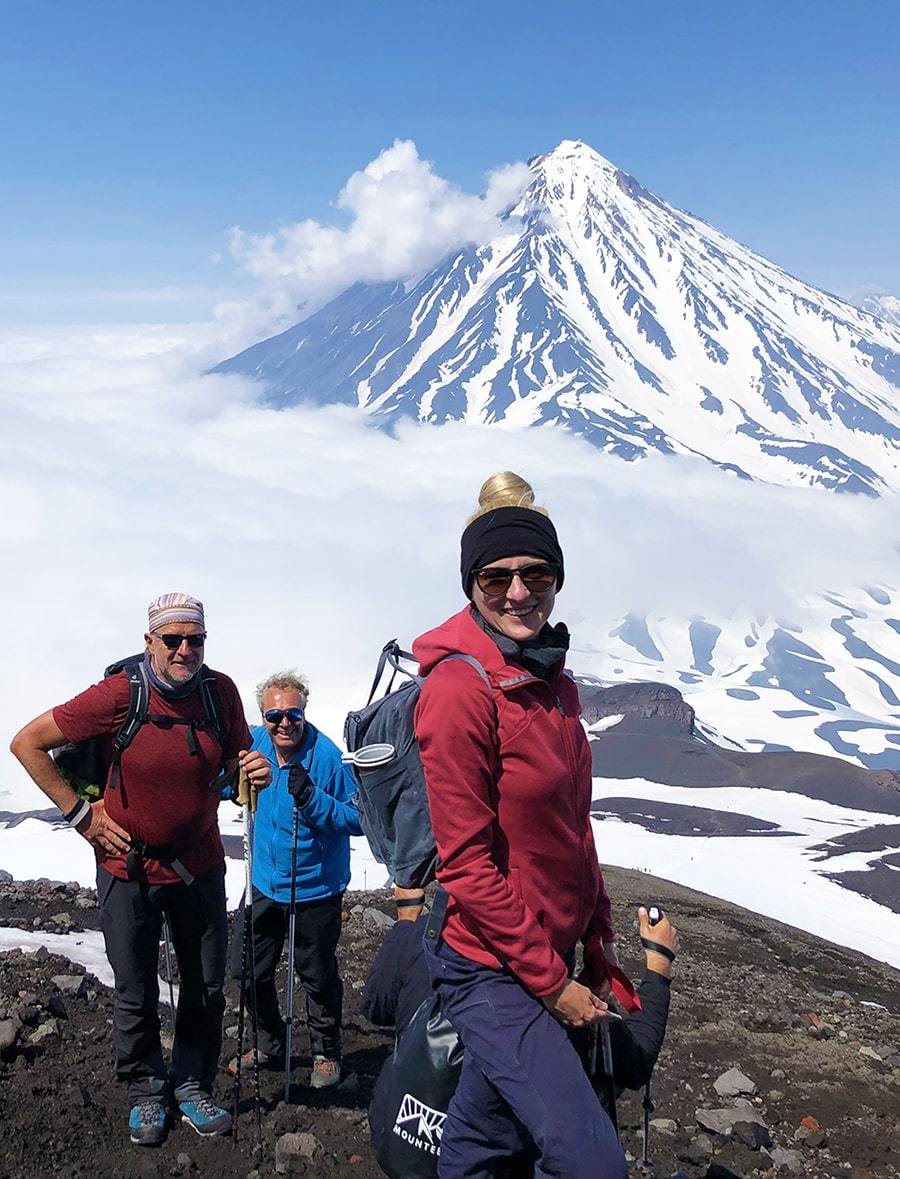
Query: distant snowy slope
637	324
793	858
826	682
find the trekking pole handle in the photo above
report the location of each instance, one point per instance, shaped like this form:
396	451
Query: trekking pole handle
654	914
246	791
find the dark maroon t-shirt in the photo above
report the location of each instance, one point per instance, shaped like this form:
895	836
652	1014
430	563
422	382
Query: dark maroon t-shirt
164	796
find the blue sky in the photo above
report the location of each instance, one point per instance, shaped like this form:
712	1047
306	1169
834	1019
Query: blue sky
136	135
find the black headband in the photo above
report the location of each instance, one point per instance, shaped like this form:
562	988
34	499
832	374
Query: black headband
507	532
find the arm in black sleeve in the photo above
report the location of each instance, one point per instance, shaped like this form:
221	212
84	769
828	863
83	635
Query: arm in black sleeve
637	1040
398	969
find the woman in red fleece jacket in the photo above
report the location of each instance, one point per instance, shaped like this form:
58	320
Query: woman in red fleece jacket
508	772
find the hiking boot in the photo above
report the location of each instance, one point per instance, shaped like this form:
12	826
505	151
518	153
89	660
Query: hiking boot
325	1073
203	1115
267	1060
148	1123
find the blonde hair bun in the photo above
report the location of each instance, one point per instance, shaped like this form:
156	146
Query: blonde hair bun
505	489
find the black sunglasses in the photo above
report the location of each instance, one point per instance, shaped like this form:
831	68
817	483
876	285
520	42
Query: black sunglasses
537	578
173	642
275	716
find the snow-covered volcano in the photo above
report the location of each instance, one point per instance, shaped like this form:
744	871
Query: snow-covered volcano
637	324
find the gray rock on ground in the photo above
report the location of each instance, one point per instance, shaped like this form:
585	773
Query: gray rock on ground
698	1151
377	919
664	1125
734	1083
48	1030
296	1148
9	1033
786	1160
752	1134
69	984
722	1121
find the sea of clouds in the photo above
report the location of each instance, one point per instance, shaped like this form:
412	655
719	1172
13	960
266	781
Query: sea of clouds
311	535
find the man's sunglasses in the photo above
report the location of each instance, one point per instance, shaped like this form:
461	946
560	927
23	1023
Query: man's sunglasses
537	578
275	716
173	642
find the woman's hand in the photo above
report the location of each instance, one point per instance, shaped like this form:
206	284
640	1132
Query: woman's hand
574	1005
663	933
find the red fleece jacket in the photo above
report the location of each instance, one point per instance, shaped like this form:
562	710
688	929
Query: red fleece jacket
164	797
509	785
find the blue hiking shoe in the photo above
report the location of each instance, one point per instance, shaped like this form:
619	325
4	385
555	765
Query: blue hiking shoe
204	1116
148	1123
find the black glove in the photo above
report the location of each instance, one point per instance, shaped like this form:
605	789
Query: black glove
300	786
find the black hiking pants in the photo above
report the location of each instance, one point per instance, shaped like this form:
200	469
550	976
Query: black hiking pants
131	914
315	963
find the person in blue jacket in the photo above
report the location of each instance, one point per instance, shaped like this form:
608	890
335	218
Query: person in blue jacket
328	817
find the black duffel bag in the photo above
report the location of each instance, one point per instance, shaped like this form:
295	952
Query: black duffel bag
412	1093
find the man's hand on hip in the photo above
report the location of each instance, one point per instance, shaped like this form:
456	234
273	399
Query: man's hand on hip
103	832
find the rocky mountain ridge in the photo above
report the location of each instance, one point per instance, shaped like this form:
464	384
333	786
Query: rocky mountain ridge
782	1058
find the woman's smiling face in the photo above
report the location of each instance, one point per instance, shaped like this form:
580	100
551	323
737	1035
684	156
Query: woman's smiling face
517	612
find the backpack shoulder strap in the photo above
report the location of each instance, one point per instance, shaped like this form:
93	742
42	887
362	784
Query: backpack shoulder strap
209	688
139	688
472	662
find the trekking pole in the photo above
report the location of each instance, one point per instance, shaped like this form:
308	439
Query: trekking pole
292	927
654	916
167	952
240	1035
246	798
649	1107
606	1045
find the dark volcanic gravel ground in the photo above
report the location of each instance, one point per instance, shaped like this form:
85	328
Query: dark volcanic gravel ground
815	1028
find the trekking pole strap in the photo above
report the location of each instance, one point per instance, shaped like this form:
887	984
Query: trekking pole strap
623	988
657	948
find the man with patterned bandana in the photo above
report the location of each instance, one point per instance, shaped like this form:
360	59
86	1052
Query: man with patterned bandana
159	854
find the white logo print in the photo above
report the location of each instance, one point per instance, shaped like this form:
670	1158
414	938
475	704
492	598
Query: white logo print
419	1124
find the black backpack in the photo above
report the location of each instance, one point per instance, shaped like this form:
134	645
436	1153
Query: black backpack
392	800
88	766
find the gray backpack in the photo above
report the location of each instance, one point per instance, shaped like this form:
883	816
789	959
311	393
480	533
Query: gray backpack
392	800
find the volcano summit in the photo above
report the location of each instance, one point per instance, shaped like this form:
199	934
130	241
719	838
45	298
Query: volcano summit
609	311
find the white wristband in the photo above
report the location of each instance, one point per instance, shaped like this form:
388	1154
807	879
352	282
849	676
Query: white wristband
83	811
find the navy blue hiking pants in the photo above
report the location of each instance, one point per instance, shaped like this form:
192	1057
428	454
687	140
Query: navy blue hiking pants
522	1085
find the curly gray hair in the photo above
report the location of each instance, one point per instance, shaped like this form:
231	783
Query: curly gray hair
285	681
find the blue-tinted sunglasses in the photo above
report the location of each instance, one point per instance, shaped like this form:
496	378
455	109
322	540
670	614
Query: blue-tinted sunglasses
275	716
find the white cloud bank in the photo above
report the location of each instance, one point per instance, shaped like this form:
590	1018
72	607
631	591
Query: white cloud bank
313	537
403	218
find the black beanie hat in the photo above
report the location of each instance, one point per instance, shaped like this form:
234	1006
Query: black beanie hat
507	532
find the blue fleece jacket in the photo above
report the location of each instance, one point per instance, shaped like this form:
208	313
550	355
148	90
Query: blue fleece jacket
326	822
